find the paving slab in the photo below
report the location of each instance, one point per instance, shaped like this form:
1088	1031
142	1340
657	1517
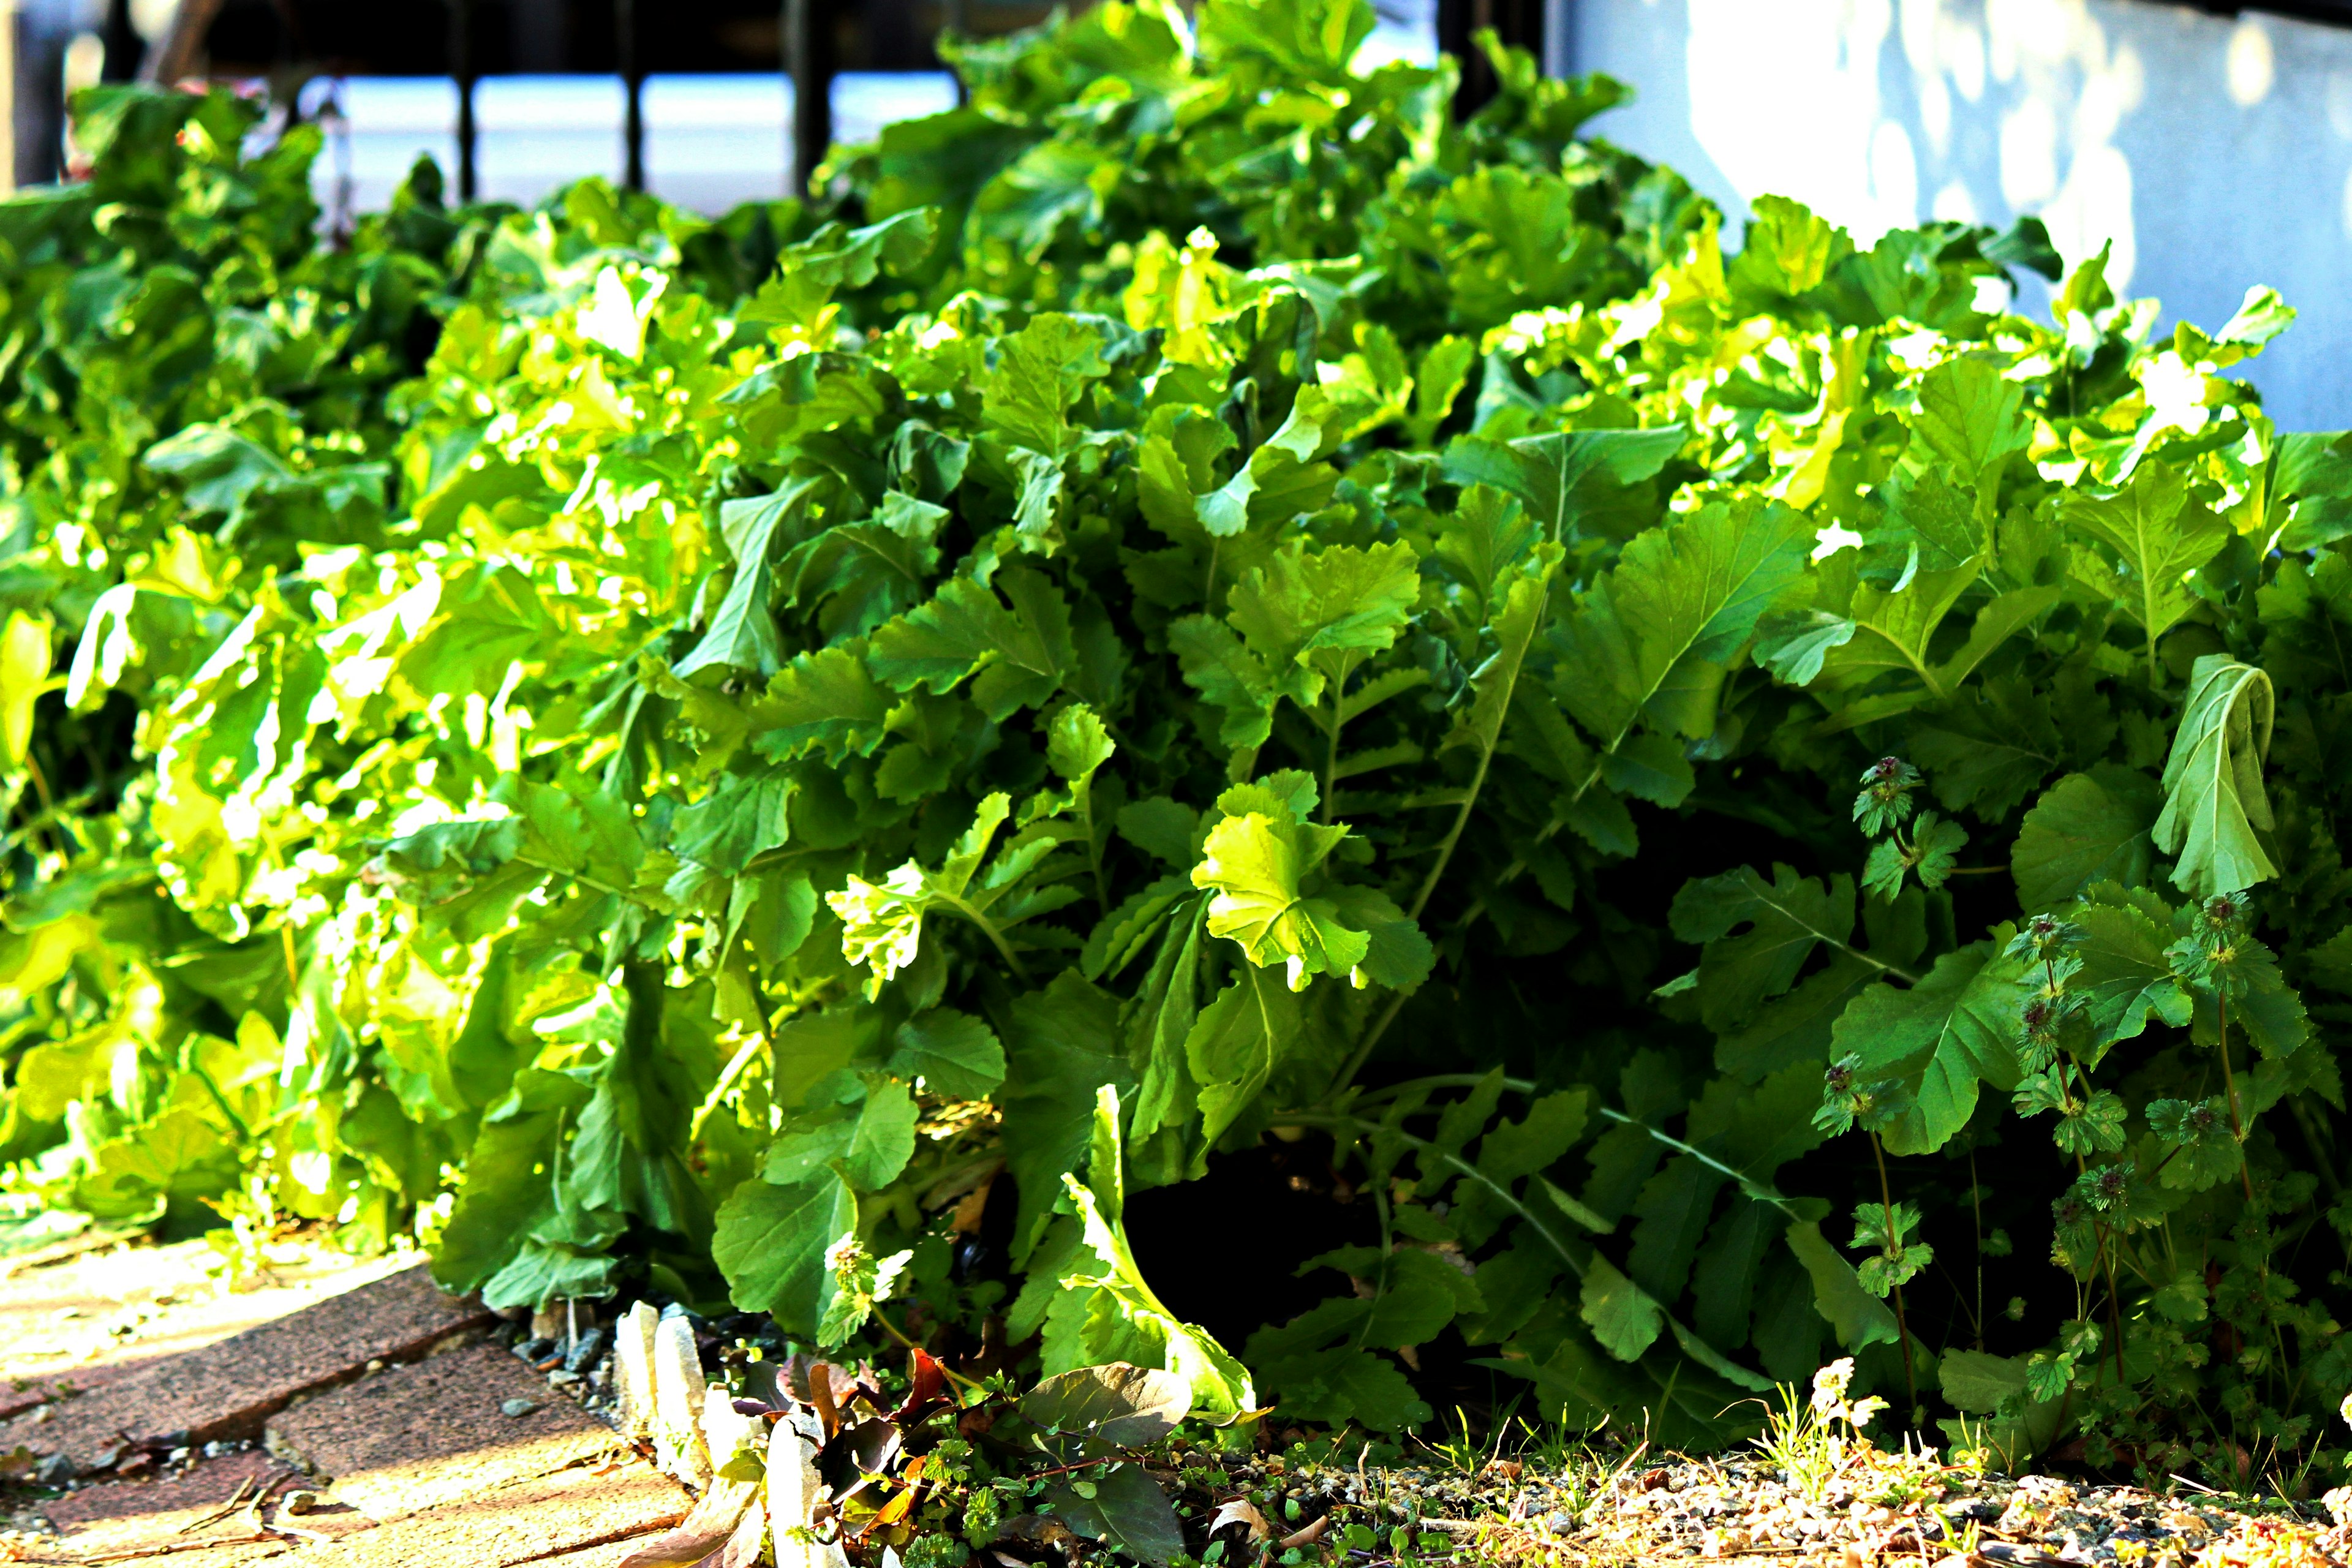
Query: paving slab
230	1388
79	1321
132	1515
415	1437
552	1518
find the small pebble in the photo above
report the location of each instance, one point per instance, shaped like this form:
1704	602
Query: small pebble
298	1502
584	1350
561	1379
519	1406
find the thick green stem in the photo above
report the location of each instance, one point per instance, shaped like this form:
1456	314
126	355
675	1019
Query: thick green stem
996	937
1453	835
1331	750
1893	1254
2230	1083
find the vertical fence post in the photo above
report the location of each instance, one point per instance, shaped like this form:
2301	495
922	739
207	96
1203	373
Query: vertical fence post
808	60
1459	22
633	82
120	62
1558	54
461	71
954	17
7	98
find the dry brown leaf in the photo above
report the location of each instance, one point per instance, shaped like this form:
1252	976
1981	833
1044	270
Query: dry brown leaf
707	1533
1302	1536
1241	1511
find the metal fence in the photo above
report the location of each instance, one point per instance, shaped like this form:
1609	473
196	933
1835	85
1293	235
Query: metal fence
60	44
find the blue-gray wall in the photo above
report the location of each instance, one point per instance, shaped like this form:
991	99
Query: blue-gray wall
2214	151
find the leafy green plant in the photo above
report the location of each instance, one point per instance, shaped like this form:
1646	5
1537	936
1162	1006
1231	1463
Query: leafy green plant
1202	607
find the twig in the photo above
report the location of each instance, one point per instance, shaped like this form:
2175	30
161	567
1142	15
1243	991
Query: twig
236	1501
653	1526
143	1552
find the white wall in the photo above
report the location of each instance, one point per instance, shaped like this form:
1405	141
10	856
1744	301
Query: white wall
710	141
2215	153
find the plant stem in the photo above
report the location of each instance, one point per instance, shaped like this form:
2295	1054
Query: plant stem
988	927
1453	835
49	824
1692	1343
1976	1201
1902	1325
1093	852
2115	1302
1331	751
1363	1050
2230	1083
945	1371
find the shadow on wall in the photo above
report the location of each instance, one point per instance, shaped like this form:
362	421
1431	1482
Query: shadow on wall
2212	153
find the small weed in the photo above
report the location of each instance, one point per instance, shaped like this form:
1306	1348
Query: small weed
1813	1441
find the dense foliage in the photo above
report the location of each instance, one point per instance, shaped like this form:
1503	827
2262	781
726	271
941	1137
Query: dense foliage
1211	616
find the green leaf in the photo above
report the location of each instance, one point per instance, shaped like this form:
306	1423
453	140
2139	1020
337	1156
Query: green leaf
1060	1044
437	862
1254	863
1537	1141
2214	803
1567	479
1039	375
1972	416
1650	639
1941	1038
742	633
1124	1511
1022	653
1132	1406
2085	828
1123	1319
771	1243
953	1053
1673	1210
1787	251
1621	1315
743	815
826	700
1996	1387
23	676
2126	979
1337	1383
506	1190
2200	1150
1311	615
860	574
1853	1314
1236	1043
1785	921
2157	535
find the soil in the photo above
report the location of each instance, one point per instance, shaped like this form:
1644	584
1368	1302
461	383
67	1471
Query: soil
364	1418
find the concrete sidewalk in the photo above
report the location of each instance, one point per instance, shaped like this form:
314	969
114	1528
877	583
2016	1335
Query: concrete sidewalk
191	1435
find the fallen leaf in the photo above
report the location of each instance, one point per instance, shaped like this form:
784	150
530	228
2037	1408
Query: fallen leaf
1301	1536
707	1532
1241	1511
